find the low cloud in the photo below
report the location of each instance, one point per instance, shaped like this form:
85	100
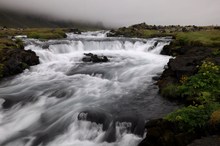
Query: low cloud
124	12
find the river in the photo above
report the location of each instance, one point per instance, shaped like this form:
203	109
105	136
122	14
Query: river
64	101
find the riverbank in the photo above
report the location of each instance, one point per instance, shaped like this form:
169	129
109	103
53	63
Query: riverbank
191	78
76	83
13	58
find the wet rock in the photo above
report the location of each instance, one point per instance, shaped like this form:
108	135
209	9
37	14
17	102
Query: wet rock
14	61
99	117
183	65
164	133
89	57
112	33
7	104
74	30
174	50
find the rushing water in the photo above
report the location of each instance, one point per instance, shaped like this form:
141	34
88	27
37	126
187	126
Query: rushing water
66	102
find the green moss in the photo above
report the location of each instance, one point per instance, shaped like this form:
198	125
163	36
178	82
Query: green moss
192	117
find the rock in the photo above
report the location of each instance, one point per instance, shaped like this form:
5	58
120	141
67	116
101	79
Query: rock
111	33
7	104
173	50
164	133
185	64
14	61
207	141
75	30
89	57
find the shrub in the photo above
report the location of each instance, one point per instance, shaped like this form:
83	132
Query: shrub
192	117
216	52
204	86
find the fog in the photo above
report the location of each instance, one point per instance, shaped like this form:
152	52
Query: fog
124	12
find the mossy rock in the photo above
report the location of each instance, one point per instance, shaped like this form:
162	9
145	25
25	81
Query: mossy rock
16	61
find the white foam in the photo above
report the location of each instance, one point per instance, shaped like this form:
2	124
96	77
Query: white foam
131	67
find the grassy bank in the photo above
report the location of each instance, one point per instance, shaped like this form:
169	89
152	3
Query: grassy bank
208	38
192	79
203	89
183	35
37	33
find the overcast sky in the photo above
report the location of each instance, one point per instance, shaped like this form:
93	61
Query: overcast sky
125	12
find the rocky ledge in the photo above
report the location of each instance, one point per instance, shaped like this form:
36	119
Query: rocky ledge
161	132
191	78
186	64
14	59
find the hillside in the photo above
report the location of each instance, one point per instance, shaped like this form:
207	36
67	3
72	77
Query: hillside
13	19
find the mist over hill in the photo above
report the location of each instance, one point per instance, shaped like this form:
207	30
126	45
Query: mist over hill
15	19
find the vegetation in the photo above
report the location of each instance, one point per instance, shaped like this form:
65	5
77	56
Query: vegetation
37	33
192	117
196	83
202	88
210	38
8	44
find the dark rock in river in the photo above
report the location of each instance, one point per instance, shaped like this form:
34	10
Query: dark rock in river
74	30
89	57
164	133
14	61
7	104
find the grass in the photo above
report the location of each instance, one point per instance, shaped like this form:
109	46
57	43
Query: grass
203	89
184	36
209	38
149	33
8	43
37	33
45	33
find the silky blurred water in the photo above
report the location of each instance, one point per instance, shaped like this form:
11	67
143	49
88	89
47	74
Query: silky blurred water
48	97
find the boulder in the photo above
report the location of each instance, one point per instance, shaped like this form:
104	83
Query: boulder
74	30
89	57
14	61
161	132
